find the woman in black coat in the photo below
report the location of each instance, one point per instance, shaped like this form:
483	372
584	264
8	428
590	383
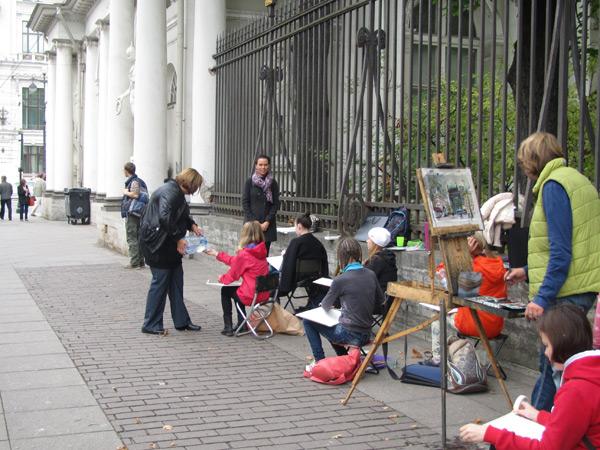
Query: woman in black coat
260	198
305	246
380	260
24	195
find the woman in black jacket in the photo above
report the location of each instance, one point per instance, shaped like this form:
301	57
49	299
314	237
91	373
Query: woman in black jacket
380	260
162	229
260	198
304	247
24	195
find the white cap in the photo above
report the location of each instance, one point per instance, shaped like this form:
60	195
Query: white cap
379	236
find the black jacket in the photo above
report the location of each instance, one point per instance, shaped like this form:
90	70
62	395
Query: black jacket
256	207
383	264
165	221
303	247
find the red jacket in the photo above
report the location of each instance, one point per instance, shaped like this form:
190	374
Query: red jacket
576	411
492	283
248	263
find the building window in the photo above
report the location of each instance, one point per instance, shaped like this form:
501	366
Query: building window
33	109
32	42
172	91
34	159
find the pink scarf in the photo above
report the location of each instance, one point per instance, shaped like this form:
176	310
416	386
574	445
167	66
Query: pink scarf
265	184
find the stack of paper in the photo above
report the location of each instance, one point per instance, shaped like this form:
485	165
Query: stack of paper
329	318
518	424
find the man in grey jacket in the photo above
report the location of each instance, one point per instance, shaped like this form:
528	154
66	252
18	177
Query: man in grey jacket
6	191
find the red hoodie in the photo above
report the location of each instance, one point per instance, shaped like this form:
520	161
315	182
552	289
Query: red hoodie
576	411
248	263
492	283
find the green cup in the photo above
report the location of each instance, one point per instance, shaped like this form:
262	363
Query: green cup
400	241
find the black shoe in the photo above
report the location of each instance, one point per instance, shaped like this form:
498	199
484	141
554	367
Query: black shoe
190	327
147	331
227	328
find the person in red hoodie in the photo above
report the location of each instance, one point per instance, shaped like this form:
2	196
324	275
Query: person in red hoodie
249	262
574	422
491	267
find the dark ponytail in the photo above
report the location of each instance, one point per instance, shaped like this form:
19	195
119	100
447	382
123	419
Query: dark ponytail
304	220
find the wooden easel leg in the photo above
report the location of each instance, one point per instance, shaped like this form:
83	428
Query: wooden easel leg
396	302
491	356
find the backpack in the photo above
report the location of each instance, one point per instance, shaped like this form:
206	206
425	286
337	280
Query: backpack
138	205
398	224
335	369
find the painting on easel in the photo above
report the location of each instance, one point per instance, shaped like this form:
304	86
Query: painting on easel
450	200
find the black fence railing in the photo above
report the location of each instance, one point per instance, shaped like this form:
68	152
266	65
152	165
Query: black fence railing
349	97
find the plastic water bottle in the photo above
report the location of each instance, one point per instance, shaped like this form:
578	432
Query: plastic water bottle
195	244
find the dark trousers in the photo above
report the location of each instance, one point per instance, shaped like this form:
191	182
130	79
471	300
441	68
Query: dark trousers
8	205
229	295
23	210
166	281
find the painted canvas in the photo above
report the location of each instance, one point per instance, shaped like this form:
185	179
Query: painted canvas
451	199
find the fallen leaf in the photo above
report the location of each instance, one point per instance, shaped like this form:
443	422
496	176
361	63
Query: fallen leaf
122	447
416	353
337	436
478	421
173	444
393	416
153	445
137	420
167	427
413	426
114	389
385	408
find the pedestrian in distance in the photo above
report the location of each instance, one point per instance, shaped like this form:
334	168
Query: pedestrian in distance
574	422
563	261
249	262
24	195
162	231
134	194
260	199
39	187
6	191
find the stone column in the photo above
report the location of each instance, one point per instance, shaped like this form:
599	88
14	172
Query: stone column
102	132
90	124
119	124
150	137
50	123
209	22
63	139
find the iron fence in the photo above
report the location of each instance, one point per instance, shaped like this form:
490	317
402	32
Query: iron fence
349	97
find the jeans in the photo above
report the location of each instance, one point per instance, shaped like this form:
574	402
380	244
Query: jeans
544	390
335	335
228	294
165	281
23	210
132	227
8	205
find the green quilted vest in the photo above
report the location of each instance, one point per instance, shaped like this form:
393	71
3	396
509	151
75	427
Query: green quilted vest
584	271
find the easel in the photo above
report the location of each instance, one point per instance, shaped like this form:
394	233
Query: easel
457	258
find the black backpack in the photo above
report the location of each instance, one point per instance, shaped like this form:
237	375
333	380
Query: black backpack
398	224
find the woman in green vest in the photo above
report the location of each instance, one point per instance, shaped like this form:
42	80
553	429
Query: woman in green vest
563	262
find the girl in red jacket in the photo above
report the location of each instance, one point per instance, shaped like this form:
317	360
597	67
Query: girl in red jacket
574	422
249	262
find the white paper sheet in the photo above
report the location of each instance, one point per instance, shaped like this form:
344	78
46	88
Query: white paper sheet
328	318
518	424
323	281
275	261
286	230
216	283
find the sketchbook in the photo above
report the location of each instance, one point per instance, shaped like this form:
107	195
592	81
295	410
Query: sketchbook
275	261
518	424
328	318
324	281
216	283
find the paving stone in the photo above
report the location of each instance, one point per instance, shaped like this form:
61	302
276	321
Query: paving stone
3	433
87	441
54	422
50	398
39	379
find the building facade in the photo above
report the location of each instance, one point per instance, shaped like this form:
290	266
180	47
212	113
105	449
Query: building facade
130	81
22	93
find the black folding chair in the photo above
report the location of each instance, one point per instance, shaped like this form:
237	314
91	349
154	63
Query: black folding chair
307	271
268	283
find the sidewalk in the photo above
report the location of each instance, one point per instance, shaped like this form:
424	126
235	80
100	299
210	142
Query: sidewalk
76	372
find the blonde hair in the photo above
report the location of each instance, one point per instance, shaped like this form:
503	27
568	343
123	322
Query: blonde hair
538	150
485	247
251	233
190	180
373	251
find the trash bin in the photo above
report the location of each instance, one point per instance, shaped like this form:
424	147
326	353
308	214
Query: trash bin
77	205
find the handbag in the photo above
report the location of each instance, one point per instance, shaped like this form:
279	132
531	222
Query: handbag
31	200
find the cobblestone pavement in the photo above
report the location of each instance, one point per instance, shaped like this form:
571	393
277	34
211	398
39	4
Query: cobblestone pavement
192	390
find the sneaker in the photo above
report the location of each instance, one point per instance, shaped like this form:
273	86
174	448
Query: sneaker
309	367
